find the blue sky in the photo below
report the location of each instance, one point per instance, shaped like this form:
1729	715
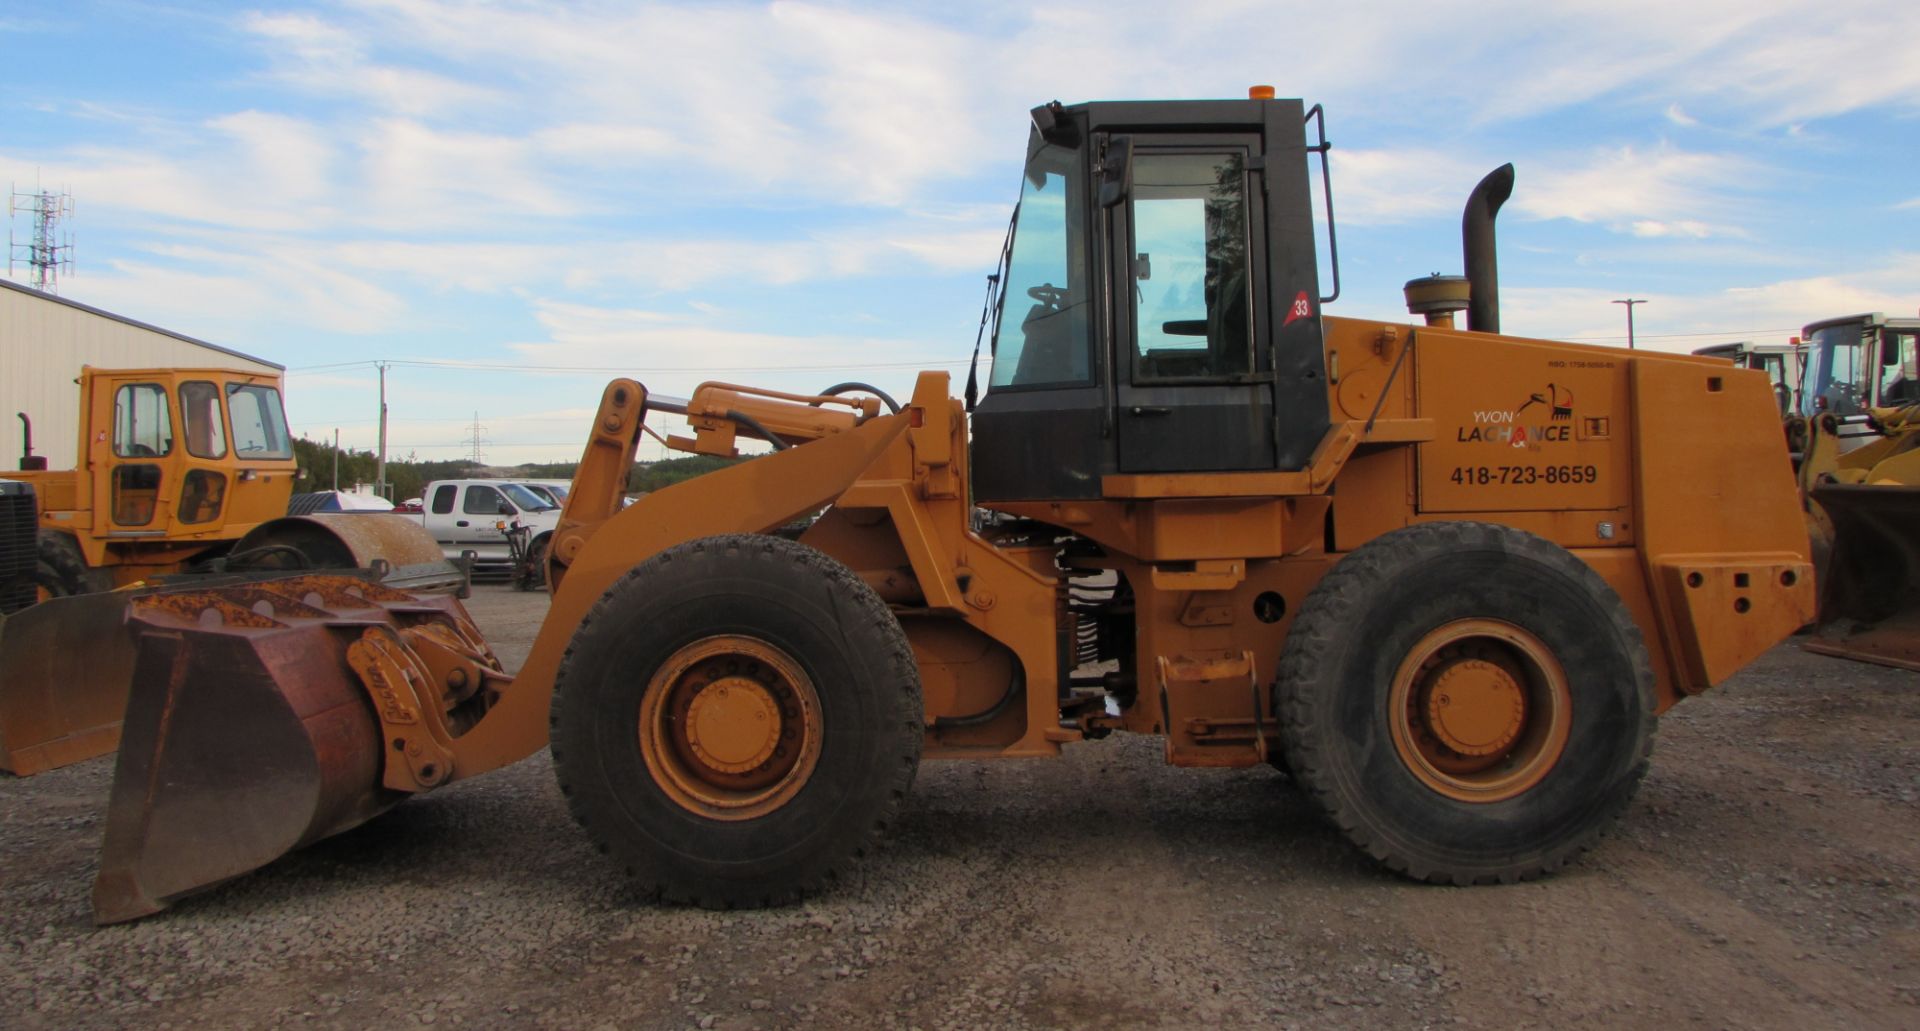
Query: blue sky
793	194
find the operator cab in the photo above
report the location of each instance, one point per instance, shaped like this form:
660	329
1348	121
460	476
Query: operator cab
1159	308
1857	363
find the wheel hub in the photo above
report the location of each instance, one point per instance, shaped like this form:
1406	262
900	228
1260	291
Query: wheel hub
733	725
1479	710
1476	708
730	727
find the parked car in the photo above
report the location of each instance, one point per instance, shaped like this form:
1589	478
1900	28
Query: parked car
473	515
554	490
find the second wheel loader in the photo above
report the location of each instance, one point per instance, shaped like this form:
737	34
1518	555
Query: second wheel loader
1446	577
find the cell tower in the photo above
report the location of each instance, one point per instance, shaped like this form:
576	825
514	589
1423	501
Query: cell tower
50	249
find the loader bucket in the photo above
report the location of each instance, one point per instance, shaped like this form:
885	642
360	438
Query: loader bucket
65	663
248	733
64	668
1870	597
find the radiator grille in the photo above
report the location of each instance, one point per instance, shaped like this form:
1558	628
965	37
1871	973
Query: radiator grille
18	526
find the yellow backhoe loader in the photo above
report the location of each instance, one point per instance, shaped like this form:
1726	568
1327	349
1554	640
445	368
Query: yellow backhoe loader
1446	577
179	470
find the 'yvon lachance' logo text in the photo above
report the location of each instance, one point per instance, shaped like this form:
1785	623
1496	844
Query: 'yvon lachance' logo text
1544	417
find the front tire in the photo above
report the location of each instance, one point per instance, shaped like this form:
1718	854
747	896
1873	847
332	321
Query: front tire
736	720
60	571
1468	703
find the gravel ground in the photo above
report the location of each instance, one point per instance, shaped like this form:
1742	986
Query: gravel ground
1768	875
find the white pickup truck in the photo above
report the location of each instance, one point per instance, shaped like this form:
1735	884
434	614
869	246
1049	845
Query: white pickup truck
471	515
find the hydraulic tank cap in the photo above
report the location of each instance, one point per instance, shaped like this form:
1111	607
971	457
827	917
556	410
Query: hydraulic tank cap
1438	297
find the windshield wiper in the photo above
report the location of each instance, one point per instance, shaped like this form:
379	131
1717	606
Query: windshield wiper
990	310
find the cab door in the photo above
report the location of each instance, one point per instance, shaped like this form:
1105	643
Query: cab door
200	498
131	451
1195	385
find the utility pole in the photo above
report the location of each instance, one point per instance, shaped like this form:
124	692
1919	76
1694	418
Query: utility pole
1630	302
336	459
379	475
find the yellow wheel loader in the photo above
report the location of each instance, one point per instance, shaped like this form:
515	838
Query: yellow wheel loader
1863	509
179	470
1854	433
1446	577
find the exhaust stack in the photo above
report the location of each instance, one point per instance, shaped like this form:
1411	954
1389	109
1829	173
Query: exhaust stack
1477	247
29	462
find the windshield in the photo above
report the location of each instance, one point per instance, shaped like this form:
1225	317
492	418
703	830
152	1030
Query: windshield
526	500
1041	334
1830	381
259	425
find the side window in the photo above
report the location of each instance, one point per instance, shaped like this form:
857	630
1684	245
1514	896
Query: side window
136	490
482	500
1191	274
443	498
1900	381
141	425
259	424
200	411
201	493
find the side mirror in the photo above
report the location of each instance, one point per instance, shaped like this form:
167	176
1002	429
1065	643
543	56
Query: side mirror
1116	170
1889	351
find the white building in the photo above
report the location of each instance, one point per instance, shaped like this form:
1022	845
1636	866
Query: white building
44	340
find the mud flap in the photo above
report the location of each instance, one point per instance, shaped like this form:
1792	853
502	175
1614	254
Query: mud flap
248	734
1870	597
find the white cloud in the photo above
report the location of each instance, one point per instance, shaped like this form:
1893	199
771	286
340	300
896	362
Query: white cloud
1767	311
1662	192
321	57
1373	187
1684	228
216	294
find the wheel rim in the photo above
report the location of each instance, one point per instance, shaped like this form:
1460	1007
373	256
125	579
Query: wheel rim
1480	710
730	727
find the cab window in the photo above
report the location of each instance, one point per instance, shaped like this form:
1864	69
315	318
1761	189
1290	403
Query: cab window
1899	377
141	425
136	491
443	498
200	412
1191	287
482	500
259	424
201	493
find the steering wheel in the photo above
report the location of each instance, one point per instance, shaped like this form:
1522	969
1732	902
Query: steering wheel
1054	297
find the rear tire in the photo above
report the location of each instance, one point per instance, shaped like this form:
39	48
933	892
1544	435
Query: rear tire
1467	702
661	702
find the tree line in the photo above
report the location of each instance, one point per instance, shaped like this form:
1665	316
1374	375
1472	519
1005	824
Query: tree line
409	477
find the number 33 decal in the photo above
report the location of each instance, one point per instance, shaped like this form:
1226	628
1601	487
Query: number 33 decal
1302	309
